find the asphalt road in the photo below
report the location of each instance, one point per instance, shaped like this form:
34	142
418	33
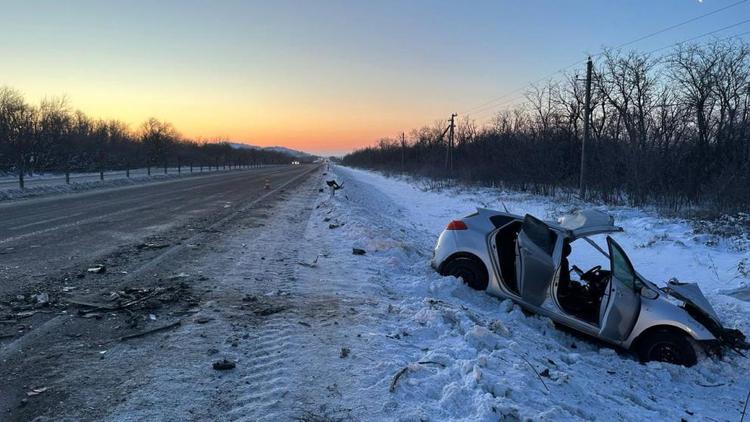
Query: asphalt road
43	238
43	180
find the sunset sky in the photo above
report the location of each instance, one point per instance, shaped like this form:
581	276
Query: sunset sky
321	76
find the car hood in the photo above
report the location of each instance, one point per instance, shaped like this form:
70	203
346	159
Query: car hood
691	294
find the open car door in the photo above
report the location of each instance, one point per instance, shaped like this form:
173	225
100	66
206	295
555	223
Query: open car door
535	259
621	303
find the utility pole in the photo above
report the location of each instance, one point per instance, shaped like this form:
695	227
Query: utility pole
449	149
403	152
586	120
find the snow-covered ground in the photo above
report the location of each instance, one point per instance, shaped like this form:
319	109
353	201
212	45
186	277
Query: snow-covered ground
463	355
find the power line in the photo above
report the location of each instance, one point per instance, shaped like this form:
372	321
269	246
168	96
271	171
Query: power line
661	31
491	103
701	36
491	107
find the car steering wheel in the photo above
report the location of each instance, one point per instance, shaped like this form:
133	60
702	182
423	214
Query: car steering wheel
590	272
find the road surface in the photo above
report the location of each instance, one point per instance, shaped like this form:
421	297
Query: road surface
48	239
10	182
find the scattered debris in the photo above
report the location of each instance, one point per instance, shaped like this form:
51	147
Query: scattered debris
224	365
396	377
42	298
537	373
25	314
344	352
334	226
710	385
334	184
312	264
151	331
151	245
97	269
269	311
358	251
130	297
36	391
403	371
327	219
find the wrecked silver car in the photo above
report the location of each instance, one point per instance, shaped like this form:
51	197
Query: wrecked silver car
525	259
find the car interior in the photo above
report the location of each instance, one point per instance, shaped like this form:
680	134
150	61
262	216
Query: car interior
506	240
580	292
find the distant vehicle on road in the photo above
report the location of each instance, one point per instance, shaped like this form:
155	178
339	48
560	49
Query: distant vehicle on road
525	259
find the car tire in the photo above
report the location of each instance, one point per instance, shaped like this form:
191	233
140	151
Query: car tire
667	345
471	270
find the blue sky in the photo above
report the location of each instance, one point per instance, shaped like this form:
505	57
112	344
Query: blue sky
326	76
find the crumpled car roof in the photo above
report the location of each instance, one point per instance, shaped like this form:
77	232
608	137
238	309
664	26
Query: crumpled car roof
588	222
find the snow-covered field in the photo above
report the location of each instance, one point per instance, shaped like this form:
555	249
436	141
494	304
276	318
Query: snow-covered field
463	355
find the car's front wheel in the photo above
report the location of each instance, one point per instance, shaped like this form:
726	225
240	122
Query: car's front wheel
471	270
665	345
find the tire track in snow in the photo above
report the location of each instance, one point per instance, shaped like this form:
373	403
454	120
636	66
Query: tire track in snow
264	389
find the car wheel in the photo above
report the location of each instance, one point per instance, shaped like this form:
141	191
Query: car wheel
470	270
664	345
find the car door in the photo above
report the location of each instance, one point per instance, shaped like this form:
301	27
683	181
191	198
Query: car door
621	304
535	265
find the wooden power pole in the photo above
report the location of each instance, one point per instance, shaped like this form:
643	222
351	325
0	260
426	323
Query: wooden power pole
586	120
449	151
403	152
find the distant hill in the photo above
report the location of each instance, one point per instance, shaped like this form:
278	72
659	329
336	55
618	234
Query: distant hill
284	150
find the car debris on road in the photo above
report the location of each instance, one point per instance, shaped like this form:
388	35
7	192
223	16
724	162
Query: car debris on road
97	269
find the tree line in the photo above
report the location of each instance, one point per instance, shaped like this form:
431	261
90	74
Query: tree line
53	137
670	130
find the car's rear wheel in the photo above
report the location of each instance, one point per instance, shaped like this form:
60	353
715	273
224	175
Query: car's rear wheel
666	345
471	270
